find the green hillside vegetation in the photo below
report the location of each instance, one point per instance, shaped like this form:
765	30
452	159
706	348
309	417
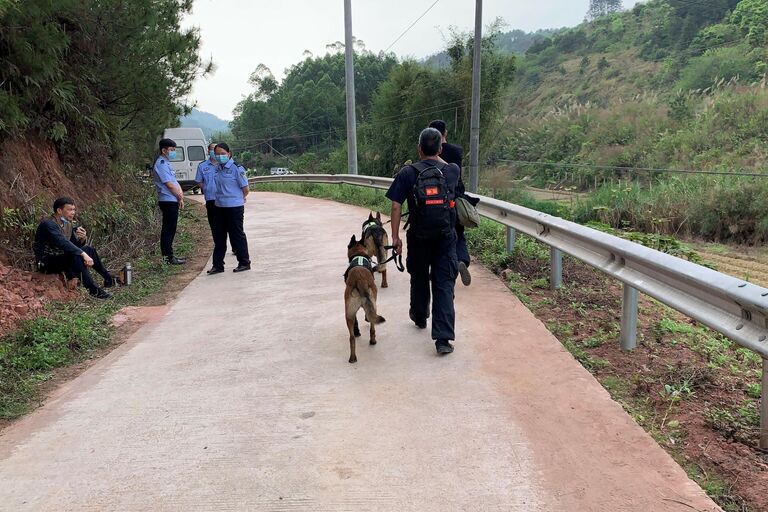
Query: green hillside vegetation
85	79
514	41
664	86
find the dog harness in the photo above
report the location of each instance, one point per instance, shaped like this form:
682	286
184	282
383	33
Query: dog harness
368	225
358	261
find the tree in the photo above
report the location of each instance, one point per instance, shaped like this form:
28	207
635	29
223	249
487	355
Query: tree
86	73
415	94
598	8
751	16
263	81
306	112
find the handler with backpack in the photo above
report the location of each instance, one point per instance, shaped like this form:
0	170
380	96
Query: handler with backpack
429	187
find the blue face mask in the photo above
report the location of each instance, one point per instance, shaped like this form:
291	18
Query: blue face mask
212	154
222	158
171	155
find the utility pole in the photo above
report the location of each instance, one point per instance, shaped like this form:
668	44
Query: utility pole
349	53
474	127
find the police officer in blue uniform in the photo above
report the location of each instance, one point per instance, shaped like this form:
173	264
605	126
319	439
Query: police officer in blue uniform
170	198
204	177
231	191
431	254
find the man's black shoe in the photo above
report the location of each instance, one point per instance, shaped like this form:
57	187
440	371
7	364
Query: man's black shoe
443	347
242	268
215	270
109	282
173	260
101	294
421	324
466	277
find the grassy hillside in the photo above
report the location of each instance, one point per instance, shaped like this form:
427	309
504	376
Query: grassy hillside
628	91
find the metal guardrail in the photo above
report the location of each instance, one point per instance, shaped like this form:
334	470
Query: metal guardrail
733	307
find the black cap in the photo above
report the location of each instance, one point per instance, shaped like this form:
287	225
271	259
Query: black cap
167	143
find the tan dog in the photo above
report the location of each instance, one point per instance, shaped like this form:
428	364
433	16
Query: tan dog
376	239
360	293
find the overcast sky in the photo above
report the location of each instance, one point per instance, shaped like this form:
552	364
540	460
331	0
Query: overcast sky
241	34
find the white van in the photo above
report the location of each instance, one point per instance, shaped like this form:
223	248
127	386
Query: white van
191	149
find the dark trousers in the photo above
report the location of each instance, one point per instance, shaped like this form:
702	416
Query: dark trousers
213	221
462	252
74	267
433	263
229	222
170	210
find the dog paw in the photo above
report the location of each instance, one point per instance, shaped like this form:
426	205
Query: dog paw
384	285
353	359
372	342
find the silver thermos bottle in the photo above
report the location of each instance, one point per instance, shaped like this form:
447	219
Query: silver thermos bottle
127	274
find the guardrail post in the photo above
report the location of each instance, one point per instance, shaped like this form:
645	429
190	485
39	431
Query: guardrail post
511	239
629	318
556	262
764	408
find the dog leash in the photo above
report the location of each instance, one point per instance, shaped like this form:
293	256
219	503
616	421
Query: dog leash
397	258
390	220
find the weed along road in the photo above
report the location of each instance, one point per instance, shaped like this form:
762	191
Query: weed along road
241	398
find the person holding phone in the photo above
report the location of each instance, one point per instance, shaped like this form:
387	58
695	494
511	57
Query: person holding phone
59	247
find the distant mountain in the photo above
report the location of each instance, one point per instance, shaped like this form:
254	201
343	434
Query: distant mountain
515	41
209	123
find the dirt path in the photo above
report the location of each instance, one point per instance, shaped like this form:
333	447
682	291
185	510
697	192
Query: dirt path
241	398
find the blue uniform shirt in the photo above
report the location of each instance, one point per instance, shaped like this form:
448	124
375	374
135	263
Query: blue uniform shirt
162	175
230	180
206	172
402	187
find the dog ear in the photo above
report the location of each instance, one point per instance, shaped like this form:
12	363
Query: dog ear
352	241
378	216
370	216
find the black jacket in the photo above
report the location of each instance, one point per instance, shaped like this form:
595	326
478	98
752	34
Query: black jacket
50	240
454	154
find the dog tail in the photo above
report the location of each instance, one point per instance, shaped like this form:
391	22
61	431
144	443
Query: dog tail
370	312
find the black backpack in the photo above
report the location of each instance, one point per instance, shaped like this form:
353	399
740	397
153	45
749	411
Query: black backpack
432	214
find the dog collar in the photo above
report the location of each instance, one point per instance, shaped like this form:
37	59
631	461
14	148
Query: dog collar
368	225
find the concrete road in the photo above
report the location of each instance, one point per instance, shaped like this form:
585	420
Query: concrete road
241	398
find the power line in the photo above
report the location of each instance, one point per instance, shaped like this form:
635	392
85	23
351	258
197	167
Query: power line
642	169
411	25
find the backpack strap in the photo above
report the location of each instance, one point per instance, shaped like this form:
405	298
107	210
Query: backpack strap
423	166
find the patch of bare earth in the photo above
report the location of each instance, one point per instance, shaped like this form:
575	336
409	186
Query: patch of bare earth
681	383
24	294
